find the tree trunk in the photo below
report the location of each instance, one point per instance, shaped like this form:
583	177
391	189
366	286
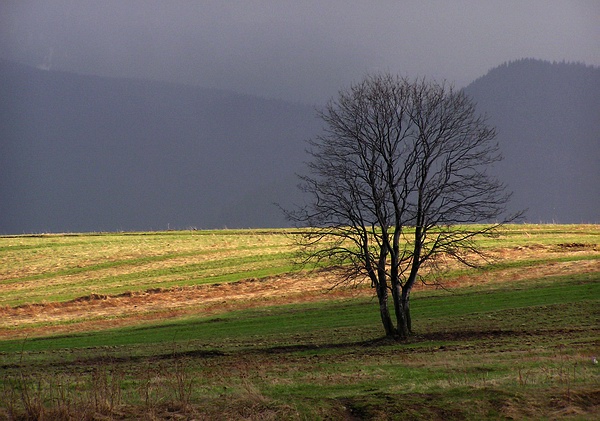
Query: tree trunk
401	327
406	307
384	311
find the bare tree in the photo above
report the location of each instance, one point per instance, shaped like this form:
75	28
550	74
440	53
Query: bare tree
397	180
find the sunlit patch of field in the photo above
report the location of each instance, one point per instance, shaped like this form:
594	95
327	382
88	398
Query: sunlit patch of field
56	254
94	281
62	268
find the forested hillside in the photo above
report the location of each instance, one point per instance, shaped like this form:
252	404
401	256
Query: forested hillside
548	121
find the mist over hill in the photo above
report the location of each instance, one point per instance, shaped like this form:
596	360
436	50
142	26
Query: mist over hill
548	120
85	153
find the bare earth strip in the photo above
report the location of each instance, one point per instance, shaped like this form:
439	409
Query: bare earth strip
98	311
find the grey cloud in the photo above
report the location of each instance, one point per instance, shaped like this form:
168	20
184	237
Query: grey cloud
294	50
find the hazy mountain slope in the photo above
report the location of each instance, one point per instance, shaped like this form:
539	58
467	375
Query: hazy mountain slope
548	121
81	153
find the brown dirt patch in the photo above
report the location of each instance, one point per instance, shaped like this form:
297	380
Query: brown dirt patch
97	311
519	273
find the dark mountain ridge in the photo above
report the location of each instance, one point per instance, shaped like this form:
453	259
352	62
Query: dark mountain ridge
548	120
86	153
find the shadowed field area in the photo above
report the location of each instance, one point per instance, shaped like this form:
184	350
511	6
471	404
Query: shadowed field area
206	325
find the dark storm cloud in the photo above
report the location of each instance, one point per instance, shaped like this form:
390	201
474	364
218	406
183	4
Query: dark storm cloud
297	50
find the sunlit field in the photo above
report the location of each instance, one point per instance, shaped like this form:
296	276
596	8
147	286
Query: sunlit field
223	325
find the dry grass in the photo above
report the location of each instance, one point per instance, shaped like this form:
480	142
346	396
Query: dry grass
33	269
24	256
97	311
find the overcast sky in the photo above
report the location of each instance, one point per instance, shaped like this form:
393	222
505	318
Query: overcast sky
295	50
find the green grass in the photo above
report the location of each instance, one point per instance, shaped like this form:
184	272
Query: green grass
489	350
496	357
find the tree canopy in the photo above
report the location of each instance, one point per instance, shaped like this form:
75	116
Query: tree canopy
398	179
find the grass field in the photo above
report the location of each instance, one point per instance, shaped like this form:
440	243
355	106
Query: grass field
221	325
